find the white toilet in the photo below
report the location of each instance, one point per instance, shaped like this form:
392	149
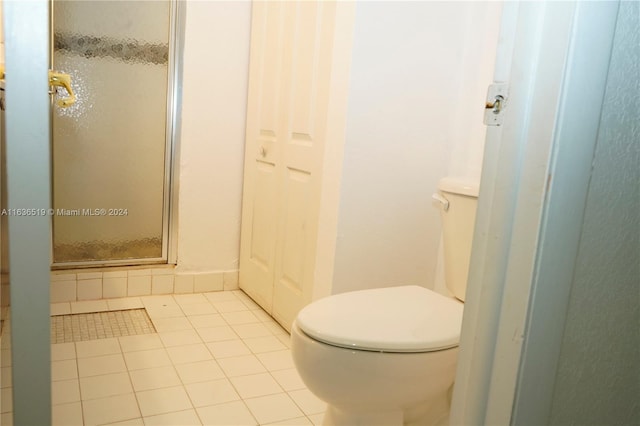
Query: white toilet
388	356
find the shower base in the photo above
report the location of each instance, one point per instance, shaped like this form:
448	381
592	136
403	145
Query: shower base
100	325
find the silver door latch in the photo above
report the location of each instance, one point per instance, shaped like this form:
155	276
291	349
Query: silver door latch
495	104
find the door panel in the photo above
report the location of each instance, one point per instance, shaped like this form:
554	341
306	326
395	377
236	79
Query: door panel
257	254
262	230
110	147
260	262
288	100
310	41
294	231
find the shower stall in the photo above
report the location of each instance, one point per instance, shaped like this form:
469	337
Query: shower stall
113	148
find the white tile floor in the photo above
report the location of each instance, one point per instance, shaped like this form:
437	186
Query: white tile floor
217	359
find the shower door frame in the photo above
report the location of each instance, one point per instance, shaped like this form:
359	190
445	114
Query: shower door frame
171	157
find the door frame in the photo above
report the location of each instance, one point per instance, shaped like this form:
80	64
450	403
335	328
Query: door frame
28	134
536	173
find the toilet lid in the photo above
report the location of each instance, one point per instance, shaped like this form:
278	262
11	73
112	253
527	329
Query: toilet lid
394	319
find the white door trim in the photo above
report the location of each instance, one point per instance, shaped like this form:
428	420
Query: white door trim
576	133
28	162
498	375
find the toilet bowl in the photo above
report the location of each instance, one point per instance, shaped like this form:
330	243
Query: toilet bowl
383	356
388	356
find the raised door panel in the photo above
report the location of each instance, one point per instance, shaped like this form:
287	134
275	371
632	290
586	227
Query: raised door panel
264	135
308	43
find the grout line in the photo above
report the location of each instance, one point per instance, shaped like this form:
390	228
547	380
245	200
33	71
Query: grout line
75	350
126	367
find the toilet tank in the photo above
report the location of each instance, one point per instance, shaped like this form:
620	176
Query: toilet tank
457	230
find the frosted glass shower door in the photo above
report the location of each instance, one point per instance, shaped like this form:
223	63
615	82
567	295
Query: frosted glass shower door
110	149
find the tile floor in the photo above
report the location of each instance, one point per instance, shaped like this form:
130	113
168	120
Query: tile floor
217	359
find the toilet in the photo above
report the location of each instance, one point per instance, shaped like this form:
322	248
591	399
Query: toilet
387	356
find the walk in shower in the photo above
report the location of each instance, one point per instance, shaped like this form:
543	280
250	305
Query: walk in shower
113	148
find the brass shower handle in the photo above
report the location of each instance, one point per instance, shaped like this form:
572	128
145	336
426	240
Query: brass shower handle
61	79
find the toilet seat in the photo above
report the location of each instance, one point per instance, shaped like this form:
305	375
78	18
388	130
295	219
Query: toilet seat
394	319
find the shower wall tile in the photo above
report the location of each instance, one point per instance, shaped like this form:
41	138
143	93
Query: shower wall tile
63	277
70	287
162	284
183	283
139	285
63	291
230	280
89	275
115	274
113	287
138	272
208	282
89	289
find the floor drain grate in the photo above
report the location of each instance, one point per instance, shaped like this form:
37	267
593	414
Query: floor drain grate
100	325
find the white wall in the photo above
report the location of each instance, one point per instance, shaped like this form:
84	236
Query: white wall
418	76
388	230
216	57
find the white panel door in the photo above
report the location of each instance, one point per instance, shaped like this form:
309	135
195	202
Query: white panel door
262	157
290	63
308	53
